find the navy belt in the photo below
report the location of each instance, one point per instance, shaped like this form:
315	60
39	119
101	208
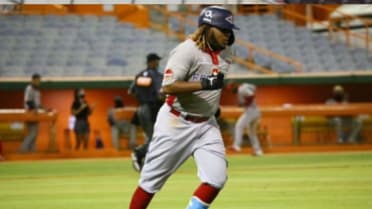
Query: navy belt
191	118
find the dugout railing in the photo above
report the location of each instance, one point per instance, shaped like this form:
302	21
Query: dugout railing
324	132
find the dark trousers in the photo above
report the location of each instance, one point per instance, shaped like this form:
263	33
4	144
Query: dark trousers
147	116
29	143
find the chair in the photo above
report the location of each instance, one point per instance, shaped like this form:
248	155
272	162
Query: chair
30	69
77	60
97	62
6	44
17	60
13	71
53	70
93	71
241	51
346	65
115	61
54	60
237	69
363	65
77	70
89	20
261	59
3	61
107	19
312	67
174	24
113	71
282	67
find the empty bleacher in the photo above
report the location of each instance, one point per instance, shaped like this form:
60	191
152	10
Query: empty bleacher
88	45
314	51
74	45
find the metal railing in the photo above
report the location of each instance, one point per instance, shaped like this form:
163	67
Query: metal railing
342	24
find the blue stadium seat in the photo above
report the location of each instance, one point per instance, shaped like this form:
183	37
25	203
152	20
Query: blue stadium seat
113	71
241	51
261	59
90	44
174	24
93	71
115	61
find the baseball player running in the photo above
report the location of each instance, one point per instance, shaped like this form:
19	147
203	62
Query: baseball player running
185	125
249	119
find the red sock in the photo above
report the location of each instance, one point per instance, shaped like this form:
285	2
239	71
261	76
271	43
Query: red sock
206	193
140	199
1	148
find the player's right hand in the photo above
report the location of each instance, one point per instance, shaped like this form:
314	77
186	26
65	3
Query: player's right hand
212	82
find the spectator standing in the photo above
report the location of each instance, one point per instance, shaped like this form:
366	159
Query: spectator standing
81	110
32	103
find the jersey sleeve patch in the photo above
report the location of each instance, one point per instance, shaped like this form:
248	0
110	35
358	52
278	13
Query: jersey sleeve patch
168	74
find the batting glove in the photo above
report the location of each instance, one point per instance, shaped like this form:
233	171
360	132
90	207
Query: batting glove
212	82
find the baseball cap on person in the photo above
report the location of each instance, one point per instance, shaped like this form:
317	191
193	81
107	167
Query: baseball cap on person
153	56
36	76
217	16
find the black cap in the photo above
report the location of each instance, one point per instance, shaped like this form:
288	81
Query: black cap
118	99
153	56
36	76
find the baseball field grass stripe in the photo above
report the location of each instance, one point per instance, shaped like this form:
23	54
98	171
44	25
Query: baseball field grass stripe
300	181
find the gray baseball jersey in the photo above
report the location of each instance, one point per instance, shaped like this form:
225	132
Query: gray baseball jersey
249	119
246	95
189	63
32	95
175	138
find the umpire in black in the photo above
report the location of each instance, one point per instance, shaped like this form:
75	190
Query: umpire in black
146	87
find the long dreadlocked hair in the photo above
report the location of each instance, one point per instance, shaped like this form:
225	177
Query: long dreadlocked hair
200	37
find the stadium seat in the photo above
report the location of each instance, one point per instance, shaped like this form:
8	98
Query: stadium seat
261	59
82	42
115	61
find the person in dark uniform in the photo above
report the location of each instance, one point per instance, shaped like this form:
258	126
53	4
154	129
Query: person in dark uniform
81	110
146	88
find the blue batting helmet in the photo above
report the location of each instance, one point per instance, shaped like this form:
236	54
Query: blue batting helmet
218	17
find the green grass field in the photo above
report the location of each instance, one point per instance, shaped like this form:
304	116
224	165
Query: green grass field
298	181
